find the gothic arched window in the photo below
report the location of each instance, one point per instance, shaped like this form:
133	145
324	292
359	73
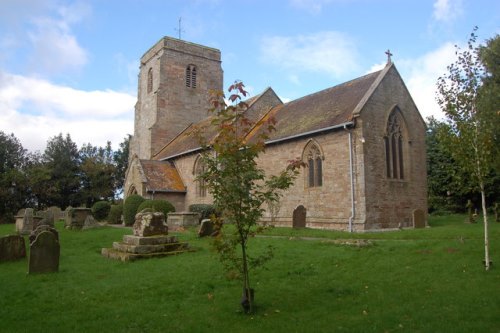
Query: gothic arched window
394	142
150	80
313	158
200	169
191	76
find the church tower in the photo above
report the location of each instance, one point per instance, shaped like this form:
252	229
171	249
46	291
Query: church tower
175	81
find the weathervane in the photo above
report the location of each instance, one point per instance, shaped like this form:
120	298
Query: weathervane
389	54
179	30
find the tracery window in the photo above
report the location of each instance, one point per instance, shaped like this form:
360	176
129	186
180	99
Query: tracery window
200	169
313	158
150	80
394	146
191	76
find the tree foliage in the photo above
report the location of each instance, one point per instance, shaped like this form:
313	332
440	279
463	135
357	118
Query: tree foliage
238	186
470	135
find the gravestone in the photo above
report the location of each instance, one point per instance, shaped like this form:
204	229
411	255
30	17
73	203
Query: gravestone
48	218
75	217
56	212
12	247
419	219
44	251
24	222
177	220
299	217
206	228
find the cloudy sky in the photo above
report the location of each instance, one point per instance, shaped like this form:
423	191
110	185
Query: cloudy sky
71	66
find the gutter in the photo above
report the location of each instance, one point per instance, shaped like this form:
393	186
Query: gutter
343	125
351	172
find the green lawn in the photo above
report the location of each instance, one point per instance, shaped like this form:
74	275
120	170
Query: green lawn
426	280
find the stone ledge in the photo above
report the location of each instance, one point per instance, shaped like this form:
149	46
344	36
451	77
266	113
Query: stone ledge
150	240
149	249
123	256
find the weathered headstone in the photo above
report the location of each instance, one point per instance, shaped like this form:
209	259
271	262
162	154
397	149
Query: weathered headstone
56	212
48	217
90	223
149	223
44	252
206	228
24	223
12	247
419	218
75	217
299	217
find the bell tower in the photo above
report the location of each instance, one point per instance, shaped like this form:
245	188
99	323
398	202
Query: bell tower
175	81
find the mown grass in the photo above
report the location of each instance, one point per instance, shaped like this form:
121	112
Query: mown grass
426	280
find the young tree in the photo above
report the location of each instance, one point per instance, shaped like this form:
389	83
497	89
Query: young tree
470	137
238	186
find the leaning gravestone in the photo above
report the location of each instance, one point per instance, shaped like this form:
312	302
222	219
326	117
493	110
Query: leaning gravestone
299	217
44	251
12	247
206	228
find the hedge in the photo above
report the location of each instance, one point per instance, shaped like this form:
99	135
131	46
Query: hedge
115	214
130	207
158	206
100	210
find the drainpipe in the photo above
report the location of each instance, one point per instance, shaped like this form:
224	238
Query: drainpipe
351	172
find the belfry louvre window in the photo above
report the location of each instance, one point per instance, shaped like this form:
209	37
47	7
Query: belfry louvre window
191	76
394	146
314	160
150	81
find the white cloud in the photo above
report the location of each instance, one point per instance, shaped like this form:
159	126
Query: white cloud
421	75
35	110
447	10
327	52
55	48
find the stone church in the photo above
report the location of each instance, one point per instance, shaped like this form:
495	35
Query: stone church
363	142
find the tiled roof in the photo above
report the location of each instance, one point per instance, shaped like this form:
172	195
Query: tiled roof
162	176
321	110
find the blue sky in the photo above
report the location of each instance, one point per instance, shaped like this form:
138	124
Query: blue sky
71	66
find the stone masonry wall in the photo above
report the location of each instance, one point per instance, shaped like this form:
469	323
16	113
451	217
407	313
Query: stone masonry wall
390	202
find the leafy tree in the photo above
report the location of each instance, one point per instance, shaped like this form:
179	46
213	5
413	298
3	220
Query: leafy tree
448	185
13	182
97	173
61	159
238	186
121	162
470	137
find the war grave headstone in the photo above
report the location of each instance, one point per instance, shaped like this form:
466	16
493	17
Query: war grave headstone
12	247
44	250
150	239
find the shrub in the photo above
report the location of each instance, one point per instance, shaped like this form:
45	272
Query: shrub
205	210
130	208
115	214
100	210
158	206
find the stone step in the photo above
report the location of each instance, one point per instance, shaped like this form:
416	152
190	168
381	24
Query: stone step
145	249
125	256
150	240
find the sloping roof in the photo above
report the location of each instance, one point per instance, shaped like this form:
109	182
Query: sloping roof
321	110
162	176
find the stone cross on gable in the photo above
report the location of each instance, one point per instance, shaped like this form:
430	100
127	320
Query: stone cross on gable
389	54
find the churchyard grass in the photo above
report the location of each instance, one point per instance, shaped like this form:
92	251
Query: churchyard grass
426	280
